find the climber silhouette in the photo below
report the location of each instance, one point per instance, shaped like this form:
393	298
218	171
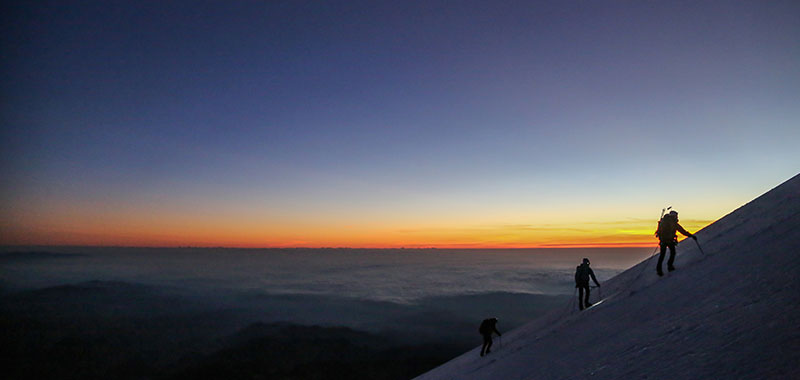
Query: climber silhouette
582	274
667	235
488	326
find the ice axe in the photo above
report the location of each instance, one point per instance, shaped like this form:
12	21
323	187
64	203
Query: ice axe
663	210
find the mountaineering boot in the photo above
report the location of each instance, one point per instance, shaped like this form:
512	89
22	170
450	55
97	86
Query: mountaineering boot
670	268
660	272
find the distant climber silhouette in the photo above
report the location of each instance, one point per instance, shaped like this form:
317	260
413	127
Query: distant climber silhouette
488	326
582	274
667	235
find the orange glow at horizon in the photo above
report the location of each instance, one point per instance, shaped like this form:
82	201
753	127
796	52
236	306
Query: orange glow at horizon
631	233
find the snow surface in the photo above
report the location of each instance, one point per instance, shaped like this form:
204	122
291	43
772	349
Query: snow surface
733	313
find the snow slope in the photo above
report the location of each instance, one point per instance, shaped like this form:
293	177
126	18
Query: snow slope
733	313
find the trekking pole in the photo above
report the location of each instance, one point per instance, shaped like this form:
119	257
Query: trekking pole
574	296
600	292
699	247
571	301
644	267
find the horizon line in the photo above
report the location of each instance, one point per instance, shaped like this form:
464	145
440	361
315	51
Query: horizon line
420	247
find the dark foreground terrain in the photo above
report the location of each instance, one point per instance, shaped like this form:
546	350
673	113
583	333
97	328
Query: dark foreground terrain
100	330
107	329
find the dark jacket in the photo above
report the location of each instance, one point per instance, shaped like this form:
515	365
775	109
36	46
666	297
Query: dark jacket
488	326
582	274
668	228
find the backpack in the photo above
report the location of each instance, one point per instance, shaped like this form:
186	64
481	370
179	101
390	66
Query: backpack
486	327
582	274
667	227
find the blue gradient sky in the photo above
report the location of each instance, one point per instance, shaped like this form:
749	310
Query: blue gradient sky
353	123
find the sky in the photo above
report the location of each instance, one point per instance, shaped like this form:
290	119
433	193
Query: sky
390	124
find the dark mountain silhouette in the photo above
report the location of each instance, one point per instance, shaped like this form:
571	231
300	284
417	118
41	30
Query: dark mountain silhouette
286	351
113	329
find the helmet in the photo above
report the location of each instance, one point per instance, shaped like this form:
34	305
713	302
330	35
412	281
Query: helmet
585	260
674	213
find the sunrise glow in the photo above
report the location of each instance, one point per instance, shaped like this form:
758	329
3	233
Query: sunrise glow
386	124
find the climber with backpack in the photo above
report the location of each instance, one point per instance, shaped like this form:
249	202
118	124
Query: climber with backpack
487	328
582	274
667	235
